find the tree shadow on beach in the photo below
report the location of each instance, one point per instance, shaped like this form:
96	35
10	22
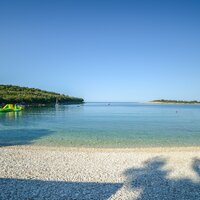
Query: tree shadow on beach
151	179
15	189
154	184
12	137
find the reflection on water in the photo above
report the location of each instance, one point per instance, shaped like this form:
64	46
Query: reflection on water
113	125
8	118
12	115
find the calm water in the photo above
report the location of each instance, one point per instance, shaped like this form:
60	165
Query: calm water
103	125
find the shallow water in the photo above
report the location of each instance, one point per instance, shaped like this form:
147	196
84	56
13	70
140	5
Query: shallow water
103	125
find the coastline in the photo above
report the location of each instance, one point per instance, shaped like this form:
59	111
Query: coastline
184	103
172	103
93	149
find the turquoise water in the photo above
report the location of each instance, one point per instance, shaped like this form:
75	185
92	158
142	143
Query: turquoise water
103	125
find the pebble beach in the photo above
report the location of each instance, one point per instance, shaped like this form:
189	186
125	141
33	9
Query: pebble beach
31	172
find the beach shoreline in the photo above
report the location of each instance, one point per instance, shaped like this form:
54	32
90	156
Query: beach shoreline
104	149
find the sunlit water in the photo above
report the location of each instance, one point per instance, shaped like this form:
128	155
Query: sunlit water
103	125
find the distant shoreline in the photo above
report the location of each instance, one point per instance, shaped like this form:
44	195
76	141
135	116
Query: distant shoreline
163	101
171	103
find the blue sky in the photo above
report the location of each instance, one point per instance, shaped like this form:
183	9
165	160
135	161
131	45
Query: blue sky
106	50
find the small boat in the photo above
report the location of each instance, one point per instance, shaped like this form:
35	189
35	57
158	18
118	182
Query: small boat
11	108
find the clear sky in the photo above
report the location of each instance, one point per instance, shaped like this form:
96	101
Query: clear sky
105	50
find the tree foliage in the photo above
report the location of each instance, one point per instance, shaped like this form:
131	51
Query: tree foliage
176	101
33	96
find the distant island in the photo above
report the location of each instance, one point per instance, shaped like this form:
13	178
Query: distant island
32	96
175	101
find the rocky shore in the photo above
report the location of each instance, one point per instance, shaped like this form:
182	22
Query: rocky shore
29	172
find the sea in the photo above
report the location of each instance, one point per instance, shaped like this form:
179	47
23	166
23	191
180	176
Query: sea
103	125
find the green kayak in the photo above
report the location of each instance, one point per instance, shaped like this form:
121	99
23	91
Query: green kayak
11	108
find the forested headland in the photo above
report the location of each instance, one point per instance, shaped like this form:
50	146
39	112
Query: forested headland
176	101
32	96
